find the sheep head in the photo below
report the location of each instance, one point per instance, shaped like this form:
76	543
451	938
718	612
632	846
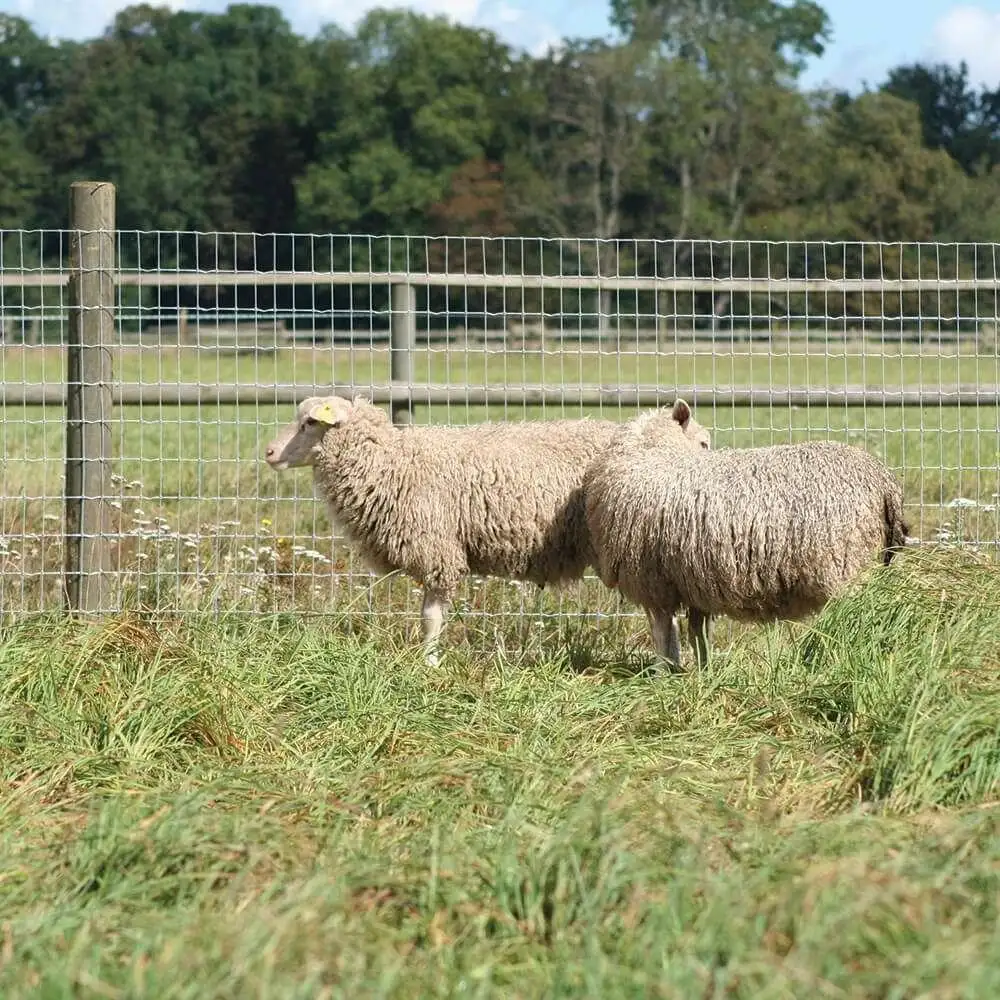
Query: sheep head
295	444
670	427
693	431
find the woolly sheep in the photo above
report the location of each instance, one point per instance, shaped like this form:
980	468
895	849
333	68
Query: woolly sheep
758	534
438	502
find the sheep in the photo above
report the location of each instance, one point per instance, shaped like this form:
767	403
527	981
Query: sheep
438	502
759	534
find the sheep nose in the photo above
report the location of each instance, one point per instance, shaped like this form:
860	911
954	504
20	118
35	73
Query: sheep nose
270	451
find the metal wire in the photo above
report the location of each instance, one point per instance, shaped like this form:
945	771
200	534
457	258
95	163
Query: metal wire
890	346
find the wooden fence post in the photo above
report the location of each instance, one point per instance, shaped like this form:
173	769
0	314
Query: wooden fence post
88	396
402	342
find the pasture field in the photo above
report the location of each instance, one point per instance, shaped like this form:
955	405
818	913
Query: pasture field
205	522
259	807
231	805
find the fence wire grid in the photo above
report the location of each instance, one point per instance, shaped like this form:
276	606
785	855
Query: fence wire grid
216	336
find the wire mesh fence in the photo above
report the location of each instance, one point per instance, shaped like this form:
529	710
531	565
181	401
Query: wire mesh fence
215	336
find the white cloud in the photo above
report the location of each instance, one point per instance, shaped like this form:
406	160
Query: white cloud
972	33
506	14
849	69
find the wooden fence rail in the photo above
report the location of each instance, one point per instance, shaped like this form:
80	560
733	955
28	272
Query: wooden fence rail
405	397
555	282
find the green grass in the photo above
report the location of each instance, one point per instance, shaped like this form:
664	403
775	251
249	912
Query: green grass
205	521
780	363
280	807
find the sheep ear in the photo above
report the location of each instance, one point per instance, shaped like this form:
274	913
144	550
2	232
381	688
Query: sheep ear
325	413
682	412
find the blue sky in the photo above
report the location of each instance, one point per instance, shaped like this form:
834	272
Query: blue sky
869	36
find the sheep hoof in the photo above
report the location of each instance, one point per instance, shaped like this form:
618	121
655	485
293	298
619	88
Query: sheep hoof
432	659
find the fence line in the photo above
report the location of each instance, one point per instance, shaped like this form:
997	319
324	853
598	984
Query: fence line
417	279
176	509
405	397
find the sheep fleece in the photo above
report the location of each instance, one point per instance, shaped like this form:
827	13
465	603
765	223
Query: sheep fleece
499	499
757	534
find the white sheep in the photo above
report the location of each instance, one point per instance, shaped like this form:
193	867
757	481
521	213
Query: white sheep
439	502
758	534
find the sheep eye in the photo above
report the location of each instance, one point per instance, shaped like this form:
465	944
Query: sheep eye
704	444
311	421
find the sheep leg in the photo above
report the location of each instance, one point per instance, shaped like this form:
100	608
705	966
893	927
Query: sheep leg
432	615
666	636
698	628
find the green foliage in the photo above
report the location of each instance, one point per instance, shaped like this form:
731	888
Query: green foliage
25	65
698	31
188	113
690	124
423	100
232	806
954	117
881	181
20	177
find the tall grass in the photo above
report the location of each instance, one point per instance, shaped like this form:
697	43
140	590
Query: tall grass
274	805
282	807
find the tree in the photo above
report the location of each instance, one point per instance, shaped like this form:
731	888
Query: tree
19	178
954	117
252	108
593	98
119	111
474	203
863	173
881	182
727	110
196	117
591	102
689	125
725	115
865	180
698	31
423	100
25	62
711	180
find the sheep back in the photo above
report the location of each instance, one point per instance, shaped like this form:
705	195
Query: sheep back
437	502
757	534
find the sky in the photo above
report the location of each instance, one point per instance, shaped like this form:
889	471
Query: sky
869	36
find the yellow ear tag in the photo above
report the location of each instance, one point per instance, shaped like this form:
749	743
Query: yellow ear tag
325	414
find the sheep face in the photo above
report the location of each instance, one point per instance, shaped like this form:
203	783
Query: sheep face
296	444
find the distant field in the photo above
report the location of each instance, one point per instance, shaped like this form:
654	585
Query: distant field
225	516
780	364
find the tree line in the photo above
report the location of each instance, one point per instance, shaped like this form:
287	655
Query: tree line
690	125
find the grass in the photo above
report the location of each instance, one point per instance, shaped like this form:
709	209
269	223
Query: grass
205	523
779	363
278	807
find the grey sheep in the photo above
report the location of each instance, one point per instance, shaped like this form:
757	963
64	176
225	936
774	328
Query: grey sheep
758	534
438	502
